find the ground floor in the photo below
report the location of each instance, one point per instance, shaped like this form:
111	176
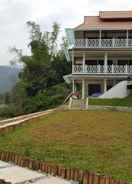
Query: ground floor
91	87
94	87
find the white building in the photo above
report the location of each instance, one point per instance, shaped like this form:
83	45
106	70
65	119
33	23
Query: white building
101	53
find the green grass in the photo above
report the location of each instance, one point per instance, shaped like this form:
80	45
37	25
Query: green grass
99	141
112	102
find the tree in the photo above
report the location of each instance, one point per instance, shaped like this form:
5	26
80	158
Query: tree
42	71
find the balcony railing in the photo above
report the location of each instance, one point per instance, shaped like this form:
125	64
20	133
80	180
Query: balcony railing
102	69
103	43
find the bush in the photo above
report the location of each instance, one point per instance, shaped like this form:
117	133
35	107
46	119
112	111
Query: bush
7	111
43	100
49	98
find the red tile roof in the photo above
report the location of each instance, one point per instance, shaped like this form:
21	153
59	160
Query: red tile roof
115	14
105	21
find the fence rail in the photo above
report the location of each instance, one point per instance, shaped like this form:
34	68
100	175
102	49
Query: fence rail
103	43
102	69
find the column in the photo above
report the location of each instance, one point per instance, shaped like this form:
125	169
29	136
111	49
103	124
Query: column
105	85
83	89
127	36
100	35
72	61
83	62
87	90
105	62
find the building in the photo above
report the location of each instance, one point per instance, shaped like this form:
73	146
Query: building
101	53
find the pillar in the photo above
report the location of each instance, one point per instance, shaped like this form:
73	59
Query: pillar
127	36
100	35
72	61
105	85
105	62
83	62
83	89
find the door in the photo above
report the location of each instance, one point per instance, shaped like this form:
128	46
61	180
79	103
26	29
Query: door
94	89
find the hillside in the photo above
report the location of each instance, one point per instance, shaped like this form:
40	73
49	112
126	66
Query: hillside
8	78
95	140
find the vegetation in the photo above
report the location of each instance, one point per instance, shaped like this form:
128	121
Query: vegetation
77	139
8	78
113	102
40	85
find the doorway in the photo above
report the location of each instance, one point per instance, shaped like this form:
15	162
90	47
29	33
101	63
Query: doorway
94	89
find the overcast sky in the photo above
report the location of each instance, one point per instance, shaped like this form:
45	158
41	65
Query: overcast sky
68	13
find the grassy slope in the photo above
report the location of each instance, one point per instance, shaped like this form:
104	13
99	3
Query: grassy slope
100	141
113	102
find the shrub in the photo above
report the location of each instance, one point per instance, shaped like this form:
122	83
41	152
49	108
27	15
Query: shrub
8	111
50	98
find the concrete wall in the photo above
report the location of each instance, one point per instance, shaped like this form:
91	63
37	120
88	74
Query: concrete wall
118	91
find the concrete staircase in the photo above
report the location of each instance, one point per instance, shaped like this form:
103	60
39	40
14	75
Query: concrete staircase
78	104
118	91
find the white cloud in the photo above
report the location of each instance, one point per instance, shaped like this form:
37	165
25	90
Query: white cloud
68	13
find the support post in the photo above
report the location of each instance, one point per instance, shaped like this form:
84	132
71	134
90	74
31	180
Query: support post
83	62
72	61
70	103
100	35
127	37
83	89
105	85
87	101
105	62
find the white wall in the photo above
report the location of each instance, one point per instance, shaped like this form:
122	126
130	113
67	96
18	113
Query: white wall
118	91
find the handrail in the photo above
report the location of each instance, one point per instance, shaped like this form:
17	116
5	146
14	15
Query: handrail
103	43
99	69
68	97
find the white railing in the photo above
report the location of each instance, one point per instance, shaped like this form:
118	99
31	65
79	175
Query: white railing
102	69
103	43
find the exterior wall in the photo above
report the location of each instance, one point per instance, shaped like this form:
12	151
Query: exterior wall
118	91
104	34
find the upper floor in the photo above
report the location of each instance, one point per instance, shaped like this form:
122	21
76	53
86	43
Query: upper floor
102	62
107	30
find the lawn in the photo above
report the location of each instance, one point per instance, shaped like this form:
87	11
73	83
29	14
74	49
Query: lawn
113	102
99	141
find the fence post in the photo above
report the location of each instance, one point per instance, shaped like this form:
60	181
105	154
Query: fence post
87	103
70	103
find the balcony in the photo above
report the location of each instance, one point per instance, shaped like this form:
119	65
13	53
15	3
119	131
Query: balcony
103	43
102	69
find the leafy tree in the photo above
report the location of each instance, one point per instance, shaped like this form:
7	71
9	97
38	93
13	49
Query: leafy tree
40	84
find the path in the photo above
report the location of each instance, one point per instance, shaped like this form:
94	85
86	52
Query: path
23	118
18	175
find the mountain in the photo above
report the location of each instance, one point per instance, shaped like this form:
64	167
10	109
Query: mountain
8	77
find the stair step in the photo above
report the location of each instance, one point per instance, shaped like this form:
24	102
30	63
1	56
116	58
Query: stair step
78	104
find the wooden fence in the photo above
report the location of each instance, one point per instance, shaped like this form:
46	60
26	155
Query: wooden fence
83	177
